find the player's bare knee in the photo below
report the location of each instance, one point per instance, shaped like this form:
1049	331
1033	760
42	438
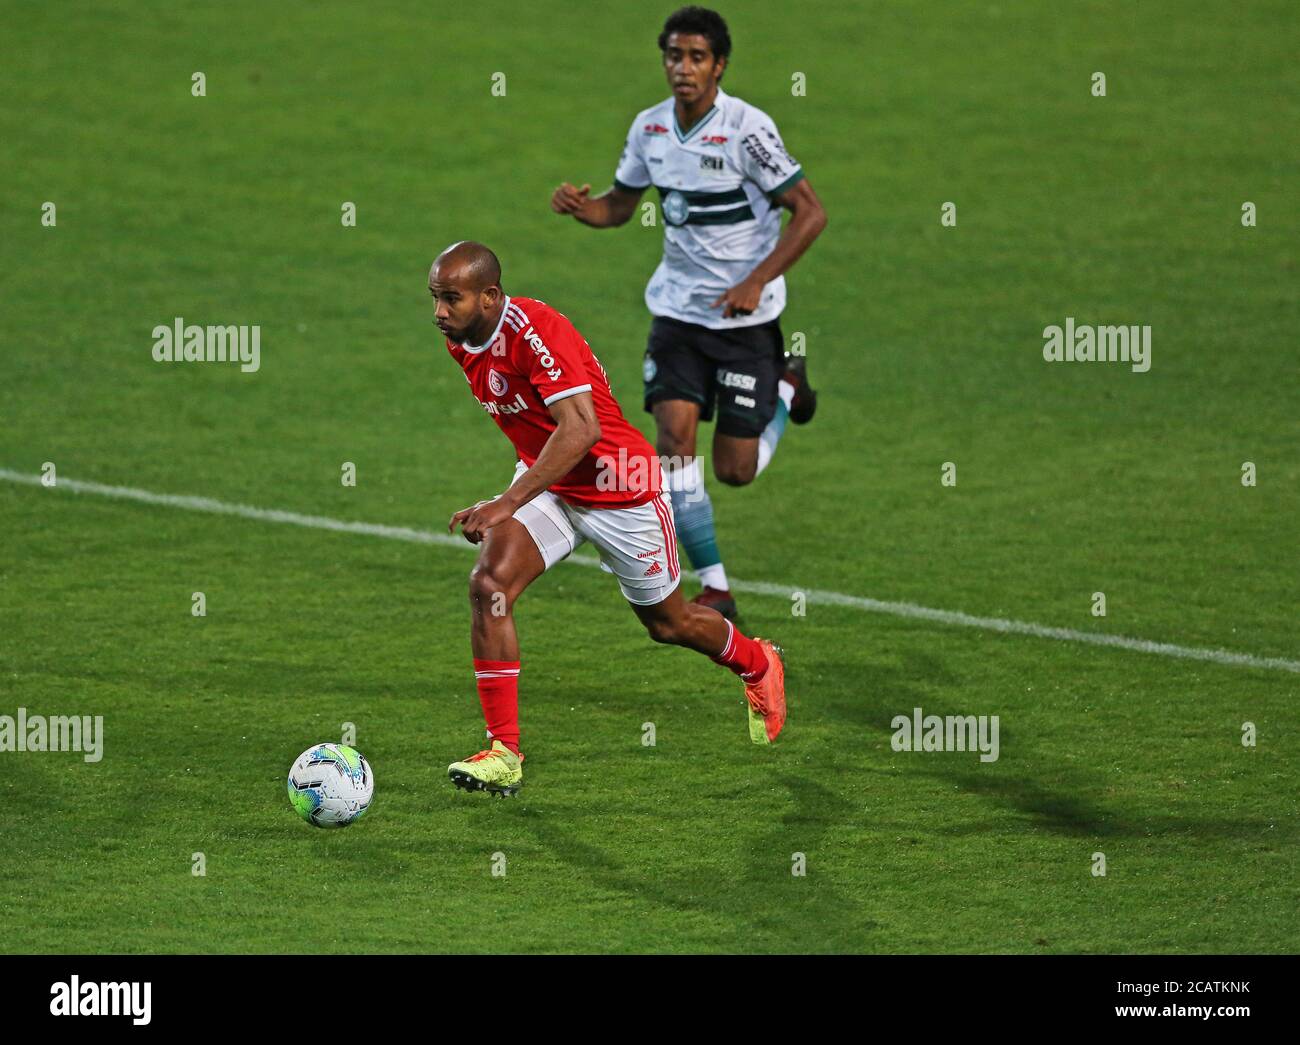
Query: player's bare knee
674	431
675	446
735	473
489	591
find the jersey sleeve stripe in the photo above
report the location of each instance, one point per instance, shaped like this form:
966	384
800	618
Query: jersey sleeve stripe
556	396
624	187
789	183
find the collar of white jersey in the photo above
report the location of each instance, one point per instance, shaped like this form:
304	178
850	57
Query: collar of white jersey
718	101
476	349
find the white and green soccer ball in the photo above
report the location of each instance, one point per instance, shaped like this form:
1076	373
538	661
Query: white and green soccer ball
330	785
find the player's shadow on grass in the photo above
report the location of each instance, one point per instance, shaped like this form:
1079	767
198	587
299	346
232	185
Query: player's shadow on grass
920	680
1067	815
766	907
880	690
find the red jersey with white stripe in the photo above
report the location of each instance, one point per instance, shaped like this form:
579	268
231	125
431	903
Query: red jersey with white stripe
534	358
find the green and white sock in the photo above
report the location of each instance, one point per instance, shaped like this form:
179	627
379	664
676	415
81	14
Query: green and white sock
775	427
693	514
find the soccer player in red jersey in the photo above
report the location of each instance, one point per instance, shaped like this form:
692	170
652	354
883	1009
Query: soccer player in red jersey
584	474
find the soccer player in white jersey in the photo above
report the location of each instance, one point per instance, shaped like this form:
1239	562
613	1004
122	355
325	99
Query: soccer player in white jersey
723	175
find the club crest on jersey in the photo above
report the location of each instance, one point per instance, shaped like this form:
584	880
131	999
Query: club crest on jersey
496	383
676	209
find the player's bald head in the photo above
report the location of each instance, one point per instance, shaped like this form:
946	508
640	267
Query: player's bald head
465	282
468	265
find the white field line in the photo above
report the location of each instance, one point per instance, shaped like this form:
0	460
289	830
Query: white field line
812	595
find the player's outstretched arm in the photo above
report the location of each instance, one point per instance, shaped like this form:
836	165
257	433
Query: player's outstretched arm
612	207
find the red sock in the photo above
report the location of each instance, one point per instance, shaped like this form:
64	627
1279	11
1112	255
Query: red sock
498	692
743	655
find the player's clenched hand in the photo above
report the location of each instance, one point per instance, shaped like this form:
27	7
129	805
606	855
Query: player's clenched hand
741	299
568	200
476	521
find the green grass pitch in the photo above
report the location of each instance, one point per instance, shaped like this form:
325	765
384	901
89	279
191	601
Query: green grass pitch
926	344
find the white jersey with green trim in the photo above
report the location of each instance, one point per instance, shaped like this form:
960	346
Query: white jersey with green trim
716	185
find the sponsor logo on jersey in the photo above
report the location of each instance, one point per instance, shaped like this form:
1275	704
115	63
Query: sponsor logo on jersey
761	156
495	409
496	383
543	353
731	379
676	209
714	139
711	163
778	145
655	569
655	128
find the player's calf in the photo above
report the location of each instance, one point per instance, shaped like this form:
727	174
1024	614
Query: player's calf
676	622
757	662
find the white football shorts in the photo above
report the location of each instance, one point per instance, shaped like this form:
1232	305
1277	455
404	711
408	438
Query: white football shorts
637	545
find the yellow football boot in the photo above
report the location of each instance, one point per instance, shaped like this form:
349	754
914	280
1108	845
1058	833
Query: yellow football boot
498	770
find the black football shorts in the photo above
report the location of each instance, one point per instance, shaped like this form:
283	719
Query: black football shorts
738	369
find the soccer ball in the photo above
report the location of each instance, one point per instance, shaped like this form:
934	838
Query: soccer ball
330	785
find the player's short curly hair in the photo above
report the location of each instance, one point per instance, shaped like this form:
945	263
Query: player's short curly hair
699	21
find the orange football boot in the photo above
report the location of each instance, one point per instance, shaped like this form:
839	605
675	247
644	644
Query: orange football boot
766	697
